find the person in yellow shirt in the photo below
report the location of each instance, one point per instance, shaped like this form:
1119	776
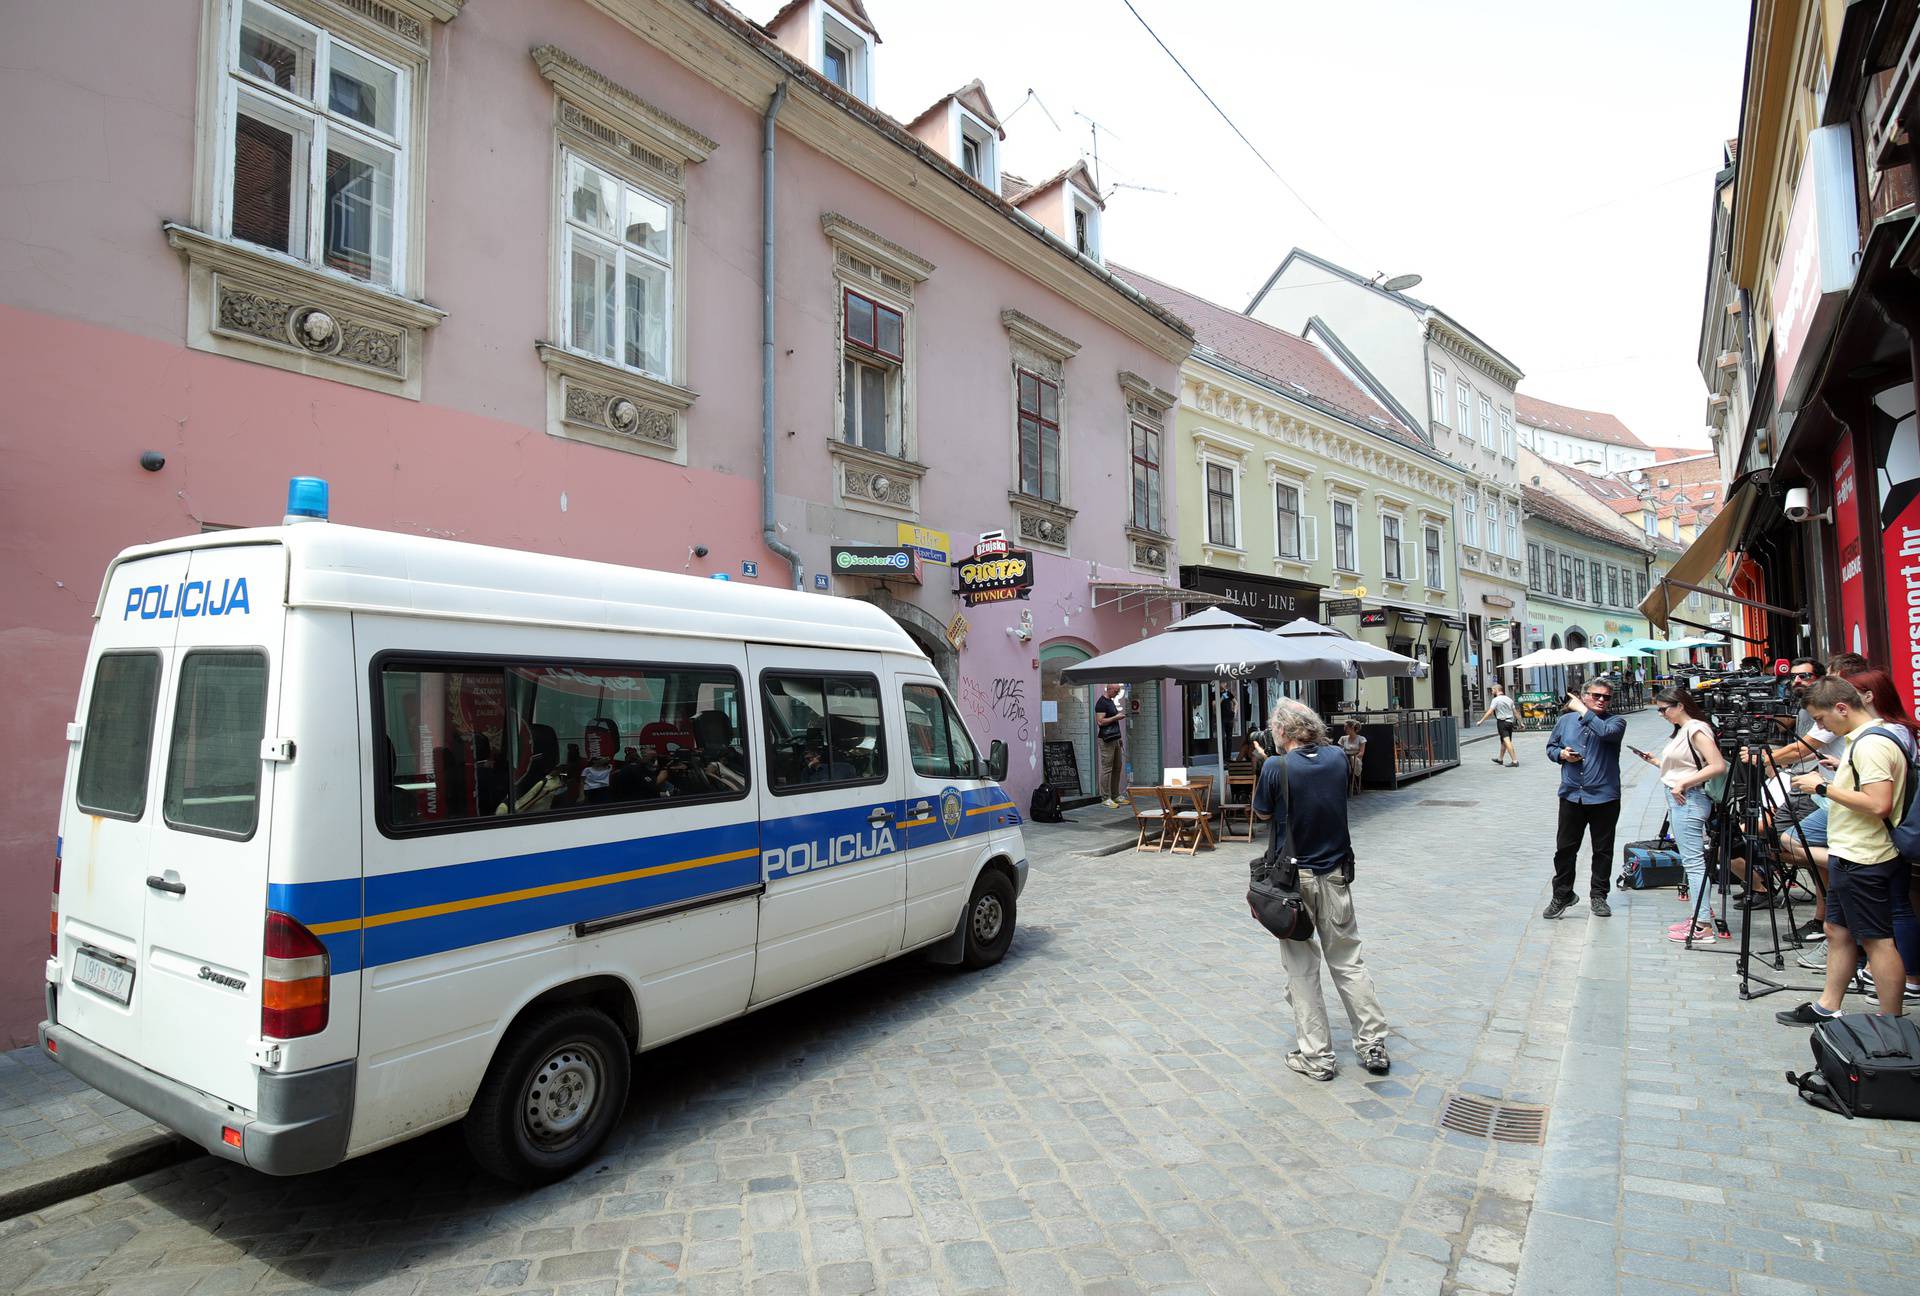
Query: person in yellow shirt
1863	868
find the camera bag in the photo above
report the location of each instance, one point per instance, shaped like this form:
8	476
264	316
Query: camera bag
1273	888
1865	1064
1652	863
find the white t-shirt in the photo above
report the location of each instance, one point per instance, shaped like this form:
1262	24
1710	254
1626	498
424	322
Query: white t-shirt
1503	708
1680	758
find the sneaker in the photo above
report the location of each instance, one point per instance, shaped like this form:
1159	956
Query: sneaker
1807	1014
1498	761
1863	981
1813	960
1680	926
1811	932
1111	804
1374	1058
1702	934
1308	1069
1600	907
1556	907
1759	900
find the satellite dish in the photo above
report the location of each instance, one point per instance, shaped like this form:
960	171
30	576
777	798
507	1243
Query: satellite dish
1400	283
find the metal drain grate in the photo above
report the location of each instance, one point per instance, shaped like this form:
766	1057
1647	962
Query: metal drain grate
1501	1122
1463	804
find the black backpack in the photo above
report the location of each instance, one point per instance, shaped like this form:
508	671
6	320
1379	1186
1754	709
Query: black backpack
1045	805
1864	1065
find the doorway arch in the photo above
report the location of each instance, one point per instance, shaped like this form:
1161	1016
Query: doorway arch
925	630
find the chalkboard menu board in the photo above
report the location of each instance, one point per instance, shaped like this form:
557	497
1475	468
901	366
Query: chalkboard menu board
1062	766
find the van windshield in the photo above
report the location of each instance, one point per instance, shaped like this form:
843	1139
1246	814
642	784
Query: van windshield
213	765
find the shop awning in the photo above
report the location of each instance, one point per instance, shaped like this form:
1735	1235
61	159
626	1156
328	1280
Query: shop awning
1130	594
1692	568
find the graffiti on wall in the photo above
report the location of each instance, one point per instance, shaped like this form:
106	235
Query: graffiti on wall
998	705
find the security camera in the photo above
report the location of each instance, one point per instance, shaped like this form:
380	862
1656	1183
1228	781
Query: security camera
1799	504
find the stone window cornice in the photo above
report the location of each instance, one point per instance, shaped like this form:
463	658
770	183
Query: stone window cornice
877	249
652	128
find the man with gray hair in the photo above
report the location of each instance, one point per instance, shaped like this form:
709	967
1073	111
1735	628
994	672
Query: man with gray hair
1303	790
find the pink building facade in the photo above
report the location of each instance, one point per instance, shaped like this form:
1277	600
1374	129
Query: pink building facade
495	271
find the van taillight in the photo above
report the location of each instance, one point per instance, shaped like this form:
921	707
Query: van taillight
293	999
53	914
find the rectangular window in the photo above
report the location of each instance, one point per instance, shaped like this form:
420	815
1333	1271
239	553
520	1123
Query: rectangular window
1566	577
937	739
1440	414
510	742
314	163
1613	586
1506	432
1039	436
873	357
1513	530
1465	426
1493	526
823	731
1594	569
1286	519
836	63
1487	433
1436	571
1146	477
118	743
619	256
1346	547
1533	567
1470	517
970	156
213	763
1639	588
1220	509
1392	556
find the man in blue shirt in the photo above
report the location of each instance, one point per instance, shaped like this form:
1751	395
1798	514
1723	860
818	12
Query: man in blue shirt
1303	790
1586	743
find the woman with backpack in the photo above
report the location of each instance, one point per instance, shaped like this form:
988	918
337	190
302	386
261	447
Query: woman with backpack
1690	760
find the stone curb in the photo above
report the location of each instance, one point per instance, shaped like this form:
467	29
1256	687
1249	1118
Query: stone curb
55	1179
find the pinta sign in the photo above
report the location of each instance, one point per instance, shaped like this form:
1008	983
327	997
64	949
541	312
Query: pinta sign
997	572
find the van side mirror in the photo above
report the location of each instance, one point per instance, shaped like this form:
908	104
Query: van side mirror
997	760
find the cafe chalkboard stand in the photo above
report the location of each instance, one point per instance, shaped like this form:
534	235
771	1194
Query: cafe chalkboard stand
1062	766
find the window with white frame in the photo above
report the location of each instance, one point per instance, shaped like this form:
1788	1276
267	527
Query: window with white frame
873	339
1465	426
1506	432
1222	506
1493	525
978	153
1146	477
1287	537
1487	433
1435	565
619	259
314	155
846	57
1393	555
1440	414
1086	226
1470	517
1513	530
1040	474
1346	543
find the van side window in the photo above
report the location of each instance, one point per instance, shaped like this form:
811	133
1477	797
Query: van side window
119	738
213	762
938	740
822	731
489	743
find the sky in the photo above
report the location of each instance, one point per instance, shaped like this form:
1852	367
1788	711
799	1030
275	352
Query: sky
1546	165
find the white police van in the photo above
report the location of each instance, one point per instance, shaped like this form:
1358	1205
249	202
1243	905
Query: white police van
363	833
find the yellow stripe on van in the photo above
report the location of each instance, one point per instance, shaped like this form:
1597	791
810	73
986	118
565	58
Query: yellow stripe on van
1004	805
526	893
920	823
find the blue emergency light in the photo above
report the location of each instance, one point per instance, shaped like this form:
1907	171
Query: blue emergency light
307	499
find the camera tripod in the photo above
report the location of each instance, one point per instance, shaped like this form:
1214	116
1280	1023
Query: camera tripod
1746	820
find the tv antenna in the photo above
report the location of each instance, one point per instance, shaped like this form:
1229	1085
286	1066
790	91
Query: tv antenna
1095	127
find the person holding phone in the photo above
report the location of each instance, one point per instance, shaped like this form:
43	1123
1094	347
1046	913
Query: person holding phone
1690	760
1586	745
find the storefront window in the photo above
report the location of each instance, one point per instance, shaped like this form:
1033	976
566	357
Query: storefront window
1067	712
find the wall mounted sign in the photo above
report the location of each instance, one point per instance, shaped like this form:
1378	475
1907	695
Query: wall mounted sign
1261	599
883	562
748	567
957	631
1340	607
932	546
990	577
822	581
1816	265
1374	617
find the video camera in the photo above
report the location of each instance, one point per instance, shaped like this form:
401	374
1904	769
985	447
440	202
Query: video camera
1745	708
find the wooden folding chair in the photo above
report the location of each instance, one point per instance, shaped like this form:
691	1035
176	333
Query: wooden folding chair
1188	816
1238	785
1149	816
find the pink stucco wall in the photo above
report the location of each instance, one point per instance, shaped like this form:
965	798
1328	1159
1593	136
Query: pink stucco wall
97	132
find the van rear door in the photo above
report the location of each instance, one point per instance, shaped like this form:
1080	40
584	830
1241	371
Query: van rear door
206	883
112	804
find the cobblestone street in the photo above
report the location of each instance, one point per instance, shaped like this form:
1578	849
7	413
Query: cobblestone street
1107	1111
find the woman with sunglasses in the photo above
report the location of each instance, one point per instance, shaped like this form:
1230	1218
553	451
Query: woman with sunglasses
1690	760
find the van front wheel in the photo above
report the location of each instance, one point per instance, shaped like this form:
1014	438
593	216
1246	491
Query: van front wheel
989	920
551	1097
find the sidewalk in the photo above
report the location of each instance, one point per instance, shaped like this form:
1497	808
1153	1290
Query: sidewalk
59	1137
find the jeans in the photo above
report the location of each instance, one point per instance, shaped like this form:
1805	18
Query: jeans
1689	823
1576	821
1336	936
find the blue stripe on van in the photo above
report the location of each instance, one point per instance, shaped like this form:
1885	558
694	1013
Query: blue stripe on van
428	911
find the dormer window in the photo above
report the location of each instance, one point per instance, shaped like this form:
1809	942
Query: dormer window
1086	228
837	63
977	155
846	56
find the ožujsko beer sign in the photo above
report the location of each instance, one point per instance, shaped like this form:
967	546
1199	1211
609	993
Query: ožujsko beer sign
997	572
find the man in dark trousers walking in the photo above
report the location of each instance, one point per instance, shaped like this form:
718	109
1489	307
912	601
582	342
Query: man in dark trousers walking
1586	743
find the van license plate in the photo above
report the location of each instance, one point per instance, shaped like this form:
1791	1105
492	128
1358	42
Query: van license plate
102	977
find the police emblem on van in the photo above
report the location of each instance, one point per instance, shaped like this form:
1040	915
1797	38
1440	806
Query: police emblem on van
951	812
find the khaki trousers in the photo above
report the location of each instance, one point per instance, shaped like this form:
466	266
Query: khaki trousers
1113	764
1336	935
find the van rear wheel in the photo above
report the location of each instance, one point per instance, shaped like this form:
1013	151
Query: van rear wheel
989	920
551	1097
